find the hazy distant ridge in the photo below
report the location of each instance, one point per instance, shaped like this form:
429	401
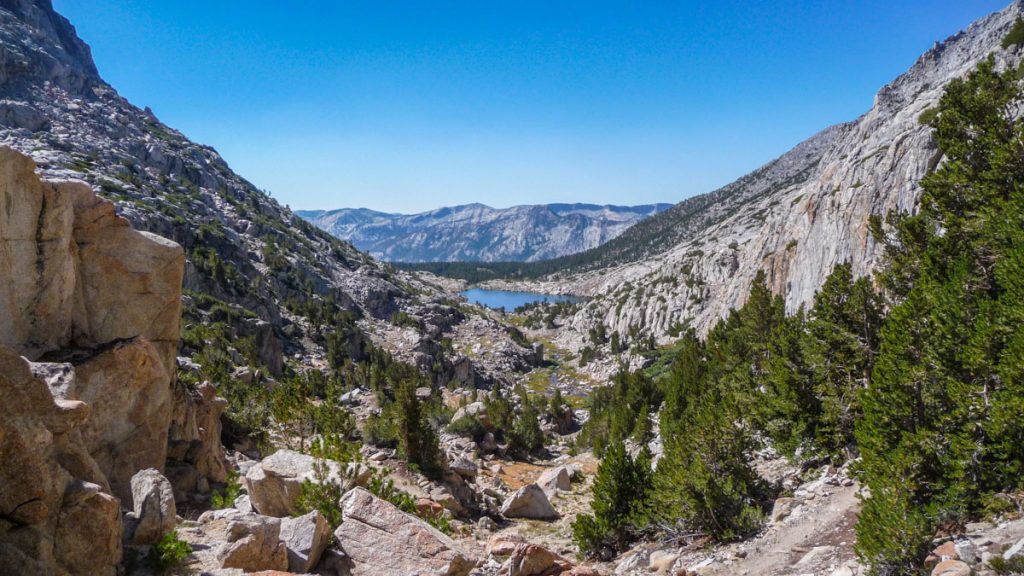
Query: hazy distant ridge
475	232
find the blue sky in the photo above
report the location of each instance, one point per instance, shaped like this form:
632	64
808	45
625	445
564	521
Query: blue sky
408	106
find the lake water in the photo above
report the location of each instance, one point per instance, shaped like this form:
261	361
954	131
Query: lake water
511	300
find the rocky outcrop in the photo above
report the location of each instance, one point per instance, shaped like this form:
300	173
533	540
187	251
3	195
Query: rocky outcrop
381	540
95	306
77	275
79	286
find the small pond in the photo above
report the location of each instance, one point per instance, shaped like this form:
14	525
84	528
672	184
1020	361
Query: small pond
510	300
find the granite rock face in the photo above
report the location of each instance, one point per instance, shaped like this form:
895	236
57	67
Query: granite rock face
77	284
89	321
796	218
57	514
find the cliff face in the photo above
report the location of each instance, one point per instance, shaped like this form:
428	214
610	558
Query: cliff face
478	233
796	224
89	323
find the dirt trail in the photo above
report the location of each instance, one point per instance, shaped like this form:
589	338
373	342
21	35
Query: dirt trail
817	538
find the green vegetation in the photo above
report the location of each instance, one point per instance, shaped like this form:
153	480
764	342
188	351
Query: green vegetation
519	429
323	492
1016	35
382	487
621	491
169	554
620	411
225	498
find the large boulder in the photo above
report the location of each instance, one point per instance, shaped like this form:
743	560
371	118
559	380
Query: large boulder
253	543
275	483
529	502
153	512
306	538
381	540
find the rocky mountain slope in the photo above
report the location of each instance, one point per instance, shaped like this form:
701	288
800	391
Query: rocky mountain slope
796	218
478	233
244	250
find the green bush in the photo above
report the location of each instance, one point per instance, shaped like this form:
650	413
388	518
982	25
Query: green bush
226	498
378	431
1012	566
526	437
468	427
169	554
323	493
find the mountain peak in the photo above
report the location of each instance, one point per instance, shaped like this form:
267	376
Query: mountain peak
42	45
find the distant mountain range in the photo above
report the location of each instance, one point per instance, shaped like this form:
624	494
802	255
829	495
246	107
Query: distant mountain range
479	233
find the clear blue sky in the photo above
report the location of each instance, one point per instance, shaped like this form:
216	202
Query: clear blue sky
407	106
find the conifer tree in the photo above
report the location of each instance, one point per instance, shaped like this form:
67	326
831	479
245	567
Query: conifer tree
619	499
417	441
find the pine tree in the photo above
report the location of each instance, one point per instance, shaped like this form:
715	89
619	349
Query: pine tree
704	479
619	499
791	408
417	441
839	348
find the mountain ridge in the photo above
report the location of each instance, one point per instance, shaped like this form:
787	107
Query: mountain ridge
477	232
